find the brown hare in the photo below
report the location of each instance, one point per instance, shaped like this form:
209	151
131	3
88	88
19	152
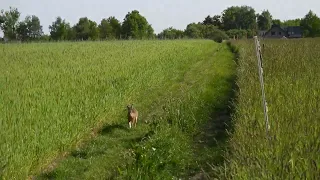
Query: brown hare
132	116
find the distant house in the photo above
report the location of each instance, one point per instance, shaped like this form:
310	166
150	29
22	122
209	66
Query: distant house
294	31
277	31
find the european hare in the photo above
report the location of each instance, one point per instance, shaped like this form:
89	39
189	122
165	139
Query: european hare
132	116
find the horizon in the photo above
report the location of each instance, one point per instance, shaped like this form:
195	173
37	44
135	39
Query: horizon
160	14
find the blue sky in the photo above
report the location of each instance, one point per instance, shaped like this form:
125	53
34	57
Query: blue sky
160	13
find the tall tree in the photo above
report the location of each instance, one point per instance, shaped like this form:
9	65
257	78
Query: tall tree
208	20
34	27
292	22
86	29
276	22
22	31
59	29
311	25
150	32
104	29
2	19
242	17
83	29
9	22
110	28
71	33
217	21
94	31
194	31
136	26
115	27
264	20
29	29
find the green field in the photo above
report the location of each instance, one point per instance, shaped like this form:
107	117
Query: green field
291	74
62	110
53	94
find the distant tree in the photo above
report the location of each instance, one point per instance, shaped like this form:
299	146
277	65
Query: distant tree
171	33
94	31
59	29
136	26
242	17
264	20
83	29
237	33
150	32
34	27
198	31
291	22
104	29
86	29
9	22
110	28
2	19
276	22
29	29
251	33
45	38
71	33
208	20
212	32
311	25
194	31
217	21
22	31
116	27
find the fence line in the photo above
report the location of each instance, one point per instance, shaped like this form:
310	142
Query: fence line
260	69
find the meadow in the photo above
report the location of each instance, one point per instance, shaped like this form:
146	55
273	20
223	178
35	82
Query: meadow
55	96
68	100
291	75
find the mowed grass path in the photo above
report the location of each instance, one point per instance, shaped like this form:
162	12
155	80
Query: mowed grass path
291	72
52	95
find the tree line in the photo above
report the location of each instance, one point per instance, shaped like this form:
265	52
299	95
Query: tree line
244	22
235	21
134	26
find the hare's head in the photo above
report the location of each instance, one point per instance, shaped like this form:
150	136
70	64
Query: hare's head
129	107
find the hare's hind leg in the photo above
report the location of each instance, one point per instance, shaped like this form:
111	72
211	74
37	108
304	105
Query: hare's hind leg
130	123
136	120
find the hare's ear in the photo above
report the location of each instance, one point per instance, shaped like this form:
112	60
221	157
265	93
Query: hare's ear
131	105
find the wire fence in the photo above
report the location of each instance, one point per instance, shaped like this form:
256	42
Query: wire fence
260	69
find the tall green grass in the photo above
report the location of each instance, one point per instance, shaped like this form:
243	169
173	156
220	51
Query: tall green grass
52	95
291	73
